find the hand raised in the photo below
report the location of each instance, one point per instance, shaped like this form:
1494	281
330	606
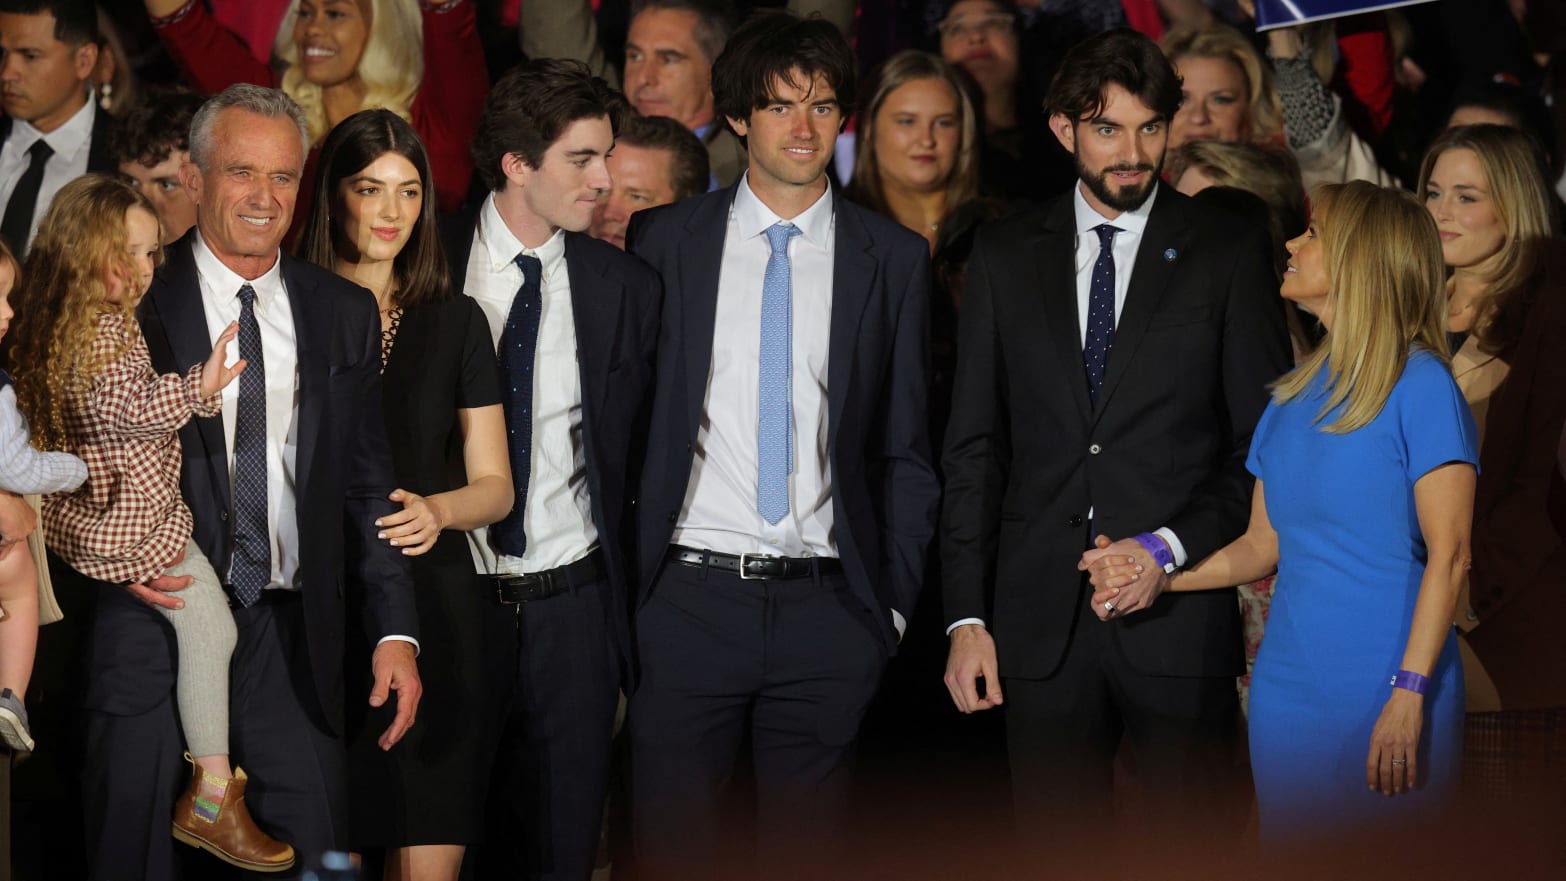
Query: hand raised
416	527
214	376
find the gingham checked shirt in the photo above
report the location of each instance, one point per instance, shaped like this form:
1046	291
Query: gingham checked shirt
127	522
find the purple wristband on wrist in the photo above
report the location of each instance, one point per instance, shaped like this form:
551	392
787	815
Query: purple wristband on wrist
1410	681
1157	549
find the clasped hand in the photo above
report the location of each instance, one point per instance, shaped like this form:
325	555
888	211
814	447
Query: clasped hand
1125	577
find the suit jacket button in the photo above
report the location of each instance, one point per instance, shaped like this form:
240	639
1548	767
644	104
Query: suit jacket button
1076	520
223	516
1095	449
671	518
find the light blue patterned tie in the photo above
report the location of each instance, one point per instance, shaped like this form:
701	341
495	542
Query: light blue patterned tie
775	413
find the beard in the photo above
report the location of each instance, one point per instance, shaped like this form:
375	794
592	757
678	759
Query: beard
1119	198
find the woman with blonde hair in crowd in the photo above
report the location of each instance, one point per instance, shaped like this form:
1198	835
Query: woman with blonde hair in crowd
337	57
1227	89
1486	187
1358	690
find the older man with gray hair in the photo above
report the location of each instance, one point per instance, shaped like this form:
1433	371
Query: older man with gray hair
285	487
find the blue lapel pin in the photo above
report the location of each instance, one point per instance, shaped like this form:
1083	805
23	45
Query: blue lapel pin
1170	255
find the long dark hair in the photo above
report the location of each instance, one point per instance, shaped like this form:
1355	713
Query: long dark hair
420	268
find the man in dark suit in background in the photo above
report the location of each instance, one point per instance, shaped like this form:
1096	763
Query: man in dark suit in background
1115	350
788	495
52	131
285	487
575	321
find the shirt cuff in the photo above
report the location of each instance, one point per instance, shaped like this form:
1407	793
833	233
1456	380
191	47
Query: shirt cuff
900	623
400	638
961	621
1174	545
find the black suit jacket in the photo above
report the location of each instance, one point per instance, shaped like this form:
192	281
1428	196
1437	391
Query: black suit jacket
343	468
884	488
1027	455
98	158
614	307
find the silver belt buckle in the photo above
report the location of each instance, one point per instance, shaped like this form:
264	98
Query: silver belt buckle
744	570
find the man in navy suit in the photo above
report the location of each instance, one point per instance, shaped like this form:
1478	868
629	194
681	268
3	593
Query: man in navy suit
788	495
575	321
285	487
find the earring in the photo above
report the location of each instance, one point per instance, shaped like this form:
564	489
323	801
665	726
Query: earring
106	95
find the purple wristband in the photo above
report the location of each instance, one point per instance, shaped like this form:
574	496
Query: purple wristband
1410	681
1159	551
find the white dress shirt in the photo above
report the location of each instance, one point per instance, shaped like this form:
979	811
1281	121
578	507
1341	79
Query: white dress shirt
1132	224
558	514
220	302
719	512
71	143
275	319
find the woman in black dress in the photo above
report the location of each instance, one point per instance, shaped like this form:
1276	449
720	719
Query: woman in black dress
373	222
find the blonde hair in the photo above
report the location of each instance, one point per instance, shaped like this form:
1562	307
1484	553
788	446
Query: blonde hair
1514	172
897	71
392	66
1272	174
1386	287
64	292
1265	116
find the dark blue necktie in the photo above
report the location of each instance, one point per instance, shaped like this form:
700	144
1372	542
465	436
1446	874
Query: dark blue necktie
1101	311
518	347
251	569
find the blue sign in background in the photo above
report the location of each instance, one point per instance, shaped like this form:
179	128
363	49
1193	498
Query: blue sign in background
1285	13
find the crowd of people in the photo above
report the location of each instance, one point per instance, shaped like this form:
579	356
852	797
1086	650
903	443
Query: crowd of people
566	439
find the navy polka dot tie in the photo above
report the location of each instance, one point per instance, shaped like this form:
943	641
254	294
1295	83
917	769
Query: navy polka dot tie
518	347
251	570
1101	311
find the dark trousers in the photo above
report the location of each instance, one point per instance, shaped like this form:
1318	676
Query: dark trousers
787	665
1064	733
546	801
133	771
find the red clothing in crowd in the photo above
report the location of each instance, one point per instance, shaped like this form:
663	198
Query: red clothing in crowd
445	111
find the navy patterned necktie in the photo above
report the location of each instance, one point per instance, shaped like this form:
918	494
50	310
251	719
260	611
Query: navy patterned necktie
518	348
1101	311
251	569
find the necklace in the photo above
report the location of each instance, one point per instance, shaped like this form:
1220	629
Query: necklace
389	333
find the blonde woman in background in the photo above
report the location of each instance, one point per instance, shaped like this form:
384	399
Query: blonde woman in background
1487	189
1227	89
336	57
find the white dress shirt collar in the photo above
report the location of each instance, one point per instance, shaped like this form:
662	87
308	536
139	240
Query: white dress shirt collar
503	246
1134	222
754	217
220	279
66	141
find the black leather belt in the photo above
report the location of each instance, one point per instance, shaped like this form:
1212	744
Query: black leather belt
756	566
513	589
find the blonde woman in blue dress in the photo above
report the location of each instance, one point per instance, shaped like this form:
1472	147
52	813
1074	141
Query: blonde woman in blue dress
1365	469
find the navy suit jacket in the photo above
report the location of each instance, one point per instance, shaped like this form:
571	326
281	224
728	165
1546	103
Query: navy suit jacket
343	467
884	488
614	307
1028	453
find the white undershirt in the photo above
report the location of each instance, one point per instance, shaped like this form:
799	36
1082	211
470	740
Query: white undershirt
558	515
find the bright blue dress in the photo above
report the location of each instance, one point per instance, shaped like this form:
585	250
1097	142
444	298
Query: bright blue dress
1350	559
